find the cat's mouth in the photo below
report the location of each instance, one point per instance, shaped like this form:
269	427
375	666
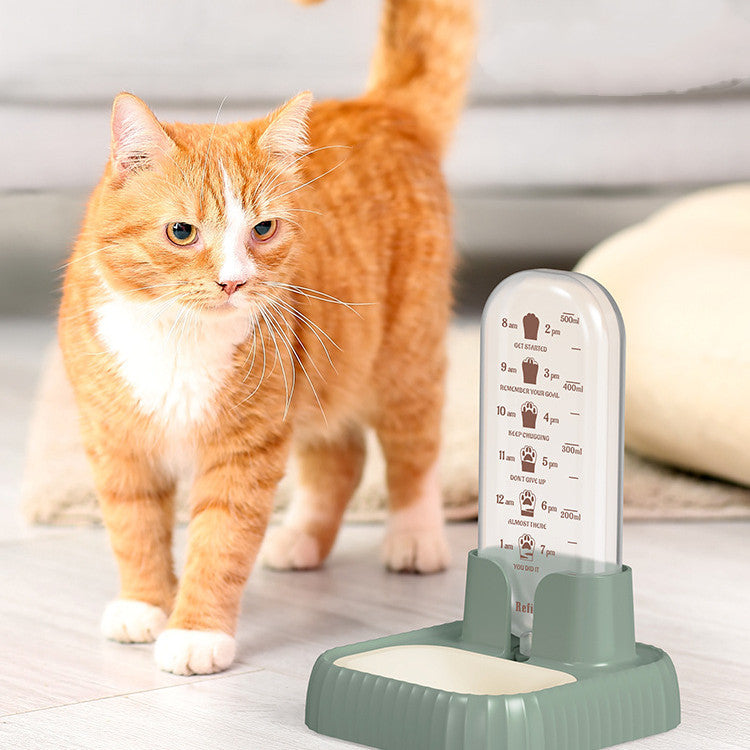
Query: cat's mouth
234	303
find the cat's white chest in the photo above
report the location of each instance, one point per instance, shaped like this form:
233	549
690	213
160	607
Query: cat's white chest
174	365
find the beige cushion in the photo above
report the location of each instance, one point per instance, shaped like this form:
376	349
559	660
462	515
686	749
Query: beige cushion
682	281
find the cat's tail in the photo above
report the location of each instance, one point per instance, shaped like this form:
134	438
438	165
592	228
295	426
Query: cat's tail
422	59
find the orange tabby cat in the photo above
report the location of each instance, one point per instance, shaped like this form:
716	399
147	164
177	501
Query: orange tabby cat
208	321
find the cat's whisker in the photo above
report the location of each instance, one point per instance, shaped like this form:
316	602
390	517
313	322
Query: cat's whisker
324	296
315	151
77	258
271	176
277	352
264	185
281	306
280	360
295	223
321	296
174	327
208	149
249	368
299	158
189	325
280	311
272	321
84	312
179	329
310	182
306	211
157	286
162	308
262	374
302	317
312	387
264	176
312	326
263	344
254	328
290	349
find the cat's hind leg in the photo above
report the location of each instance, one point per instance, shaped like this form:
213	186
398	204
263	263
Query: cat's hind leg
408	428
328	472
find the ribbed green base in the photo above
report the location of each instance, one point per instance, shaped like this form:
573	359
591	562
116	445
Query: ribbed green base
632	694
596	711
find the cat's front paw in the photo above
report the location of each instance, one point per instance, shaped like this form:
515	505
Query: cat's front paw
416	550
288	548
194	651
132	621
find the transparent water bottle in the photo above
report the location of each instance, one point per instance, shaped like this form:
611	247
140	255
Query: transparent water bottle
551	431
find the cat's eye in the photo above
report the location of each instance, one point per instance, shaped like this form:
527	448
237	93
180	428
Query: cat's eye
264	230
182	233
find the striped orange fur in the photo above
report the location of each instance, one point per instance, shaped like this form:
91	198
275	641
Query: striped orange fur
312	300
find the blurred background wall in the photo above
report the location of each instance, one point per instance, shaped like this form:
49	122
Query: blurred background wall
583	116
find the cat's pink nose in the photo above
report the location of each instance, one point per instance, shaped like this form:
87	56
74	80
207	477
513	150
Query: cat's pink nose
230	287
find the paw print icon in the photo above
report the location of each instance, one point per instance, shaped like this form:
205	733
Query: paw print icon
526	547
527	500
528	459
528	414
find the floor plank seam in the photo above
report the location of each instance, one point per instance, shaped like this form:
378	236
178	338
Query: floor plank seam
33	538
290	675
195	680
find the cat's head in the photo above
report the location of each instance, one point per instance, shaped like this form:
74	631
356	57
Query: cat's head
203	216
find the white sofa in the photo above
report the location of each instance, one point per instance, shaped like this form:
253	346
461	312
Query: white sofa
583	117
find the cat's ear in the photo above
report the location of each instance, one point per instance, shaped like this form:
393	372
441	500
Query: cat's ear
286	134
138	140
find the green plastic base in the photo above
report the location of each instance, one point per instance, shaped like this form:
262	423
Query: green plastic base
583	626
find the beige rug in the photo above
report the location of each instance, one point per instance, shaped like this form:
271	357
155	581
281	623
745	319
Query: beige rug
57	487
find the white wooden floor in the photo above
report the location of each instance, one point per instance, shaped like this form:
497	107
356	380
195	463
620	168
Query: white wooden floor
62	686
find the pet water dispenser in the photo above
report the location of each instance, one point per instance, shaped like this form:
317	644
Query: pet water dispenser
545	657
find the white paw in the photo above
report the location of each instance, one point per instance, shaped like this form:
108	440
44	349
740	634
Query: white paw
131	621
194	651
287	548
416	550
